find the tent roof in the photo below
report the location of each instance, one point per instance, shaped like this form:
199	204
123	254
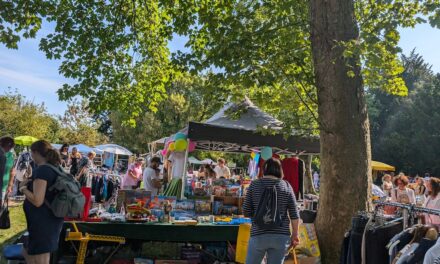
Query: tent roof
115	149
238	128
380	166
233	140
193	160
250	117
85	149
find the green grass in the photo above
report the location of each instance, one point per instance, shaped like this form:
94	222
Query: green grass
18	226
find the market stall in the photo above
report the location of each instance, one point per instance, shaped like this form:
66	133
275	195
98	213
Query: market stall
195	209
252	132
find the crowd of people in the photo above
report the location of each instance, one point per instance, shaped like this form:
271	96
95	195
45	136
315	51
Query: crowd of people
422	192
44	228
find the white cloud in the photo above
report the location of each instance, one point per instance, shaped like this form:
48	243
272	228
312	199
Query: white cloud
17	78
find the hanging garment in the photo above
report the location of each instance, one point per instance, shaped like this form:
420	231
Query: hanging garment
291	173
376	240
301	172
344	249
22	165
103	190
432	256
405	253
417	253
398	242
98	188
261	168
110	189
358	224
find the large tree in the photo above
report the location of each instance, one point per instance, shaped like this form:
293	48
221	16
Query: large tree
406	128
345	135
117	51
77	125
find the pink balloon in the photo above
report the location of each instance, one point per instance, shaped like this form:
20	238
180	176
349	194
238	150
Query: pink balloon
192	146
164	152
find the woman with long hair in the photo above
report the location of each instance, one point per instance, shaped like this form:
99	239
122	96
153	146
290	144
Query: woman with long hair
420	188
64	152
74	159
433	200
44	228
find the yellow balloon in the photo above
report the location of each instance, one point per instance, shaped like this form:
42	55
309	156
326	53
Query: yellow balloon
172	146
181	144
253	155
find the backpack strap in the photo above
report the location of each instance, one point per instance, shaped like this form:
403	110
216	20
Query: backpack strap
59	171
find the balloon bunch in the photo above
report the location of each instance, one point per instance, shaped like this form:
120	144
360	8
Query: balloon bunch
179	143
265	154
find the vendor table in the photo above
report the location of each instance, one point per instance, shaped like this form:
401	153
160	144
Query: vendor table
161	232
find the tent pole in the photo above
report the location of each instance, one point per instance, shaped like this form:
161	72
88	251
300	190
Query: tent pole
185	173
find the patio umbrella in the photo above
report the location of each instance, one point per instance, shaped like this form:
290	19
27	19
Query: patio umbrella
115	149
25	140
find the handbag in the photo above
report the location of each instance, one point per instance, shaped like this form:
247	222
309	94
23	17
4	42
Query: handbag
5	222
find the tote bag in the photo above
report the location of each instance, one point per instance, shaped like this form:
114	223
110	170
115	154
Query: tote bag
5	223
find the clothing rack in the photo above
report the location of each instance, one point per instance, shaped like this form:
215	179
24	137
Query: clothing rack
408	209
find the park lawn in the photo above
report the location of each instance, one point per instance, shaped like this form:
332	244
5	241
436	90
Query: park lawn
18	226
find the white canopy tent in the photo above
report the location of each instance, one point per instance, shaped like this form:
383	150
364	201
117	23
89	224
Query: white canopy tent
84	149
115	149
193	160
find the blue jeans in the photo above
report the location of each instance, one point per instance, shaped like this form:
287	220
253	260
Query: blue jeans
274	246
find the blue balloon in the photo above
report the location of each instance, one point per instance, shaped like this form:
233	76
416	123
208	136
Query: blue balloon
179	136
266	153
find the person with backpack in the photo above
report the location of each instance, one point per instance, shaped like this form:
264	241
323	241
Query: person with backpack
270	203
43	226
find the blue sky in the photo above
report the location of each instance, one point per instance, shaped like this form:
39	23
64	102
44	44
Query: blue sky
36	77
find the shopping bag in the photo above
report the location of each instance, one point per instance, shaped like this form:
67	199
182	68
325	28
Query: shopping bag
5	222
244	234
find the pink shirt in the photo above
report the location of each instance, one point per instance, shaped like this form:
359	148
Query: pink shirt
431	203
128	180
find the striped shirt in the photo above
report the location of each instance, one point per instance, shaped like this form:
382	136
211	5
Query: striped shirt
286	204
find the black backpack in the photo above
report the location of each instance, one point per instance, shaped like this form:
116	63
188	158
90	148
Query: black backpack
268	215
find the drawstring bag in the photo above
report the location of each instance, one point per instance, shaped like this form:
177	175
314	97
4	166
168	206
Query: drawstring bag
5	222
268	214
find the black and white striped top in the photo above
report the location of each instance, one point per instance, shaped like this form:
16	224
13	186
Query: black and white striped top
286	205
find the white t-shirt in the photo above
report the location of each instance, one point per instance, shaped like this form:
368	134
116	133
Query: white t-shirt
178	163
150	175
403	196
222	172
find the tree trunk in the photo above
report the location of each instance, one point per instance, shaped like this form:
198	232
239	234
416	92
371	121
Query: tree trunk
309	187
345	137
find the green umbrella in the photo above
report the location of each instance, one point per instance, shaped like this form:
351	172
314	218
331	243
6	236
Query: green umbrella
25	140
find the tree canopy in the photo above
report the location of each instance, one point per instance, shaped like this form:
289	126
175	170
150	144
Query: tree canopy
404	129
21	117
118	51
